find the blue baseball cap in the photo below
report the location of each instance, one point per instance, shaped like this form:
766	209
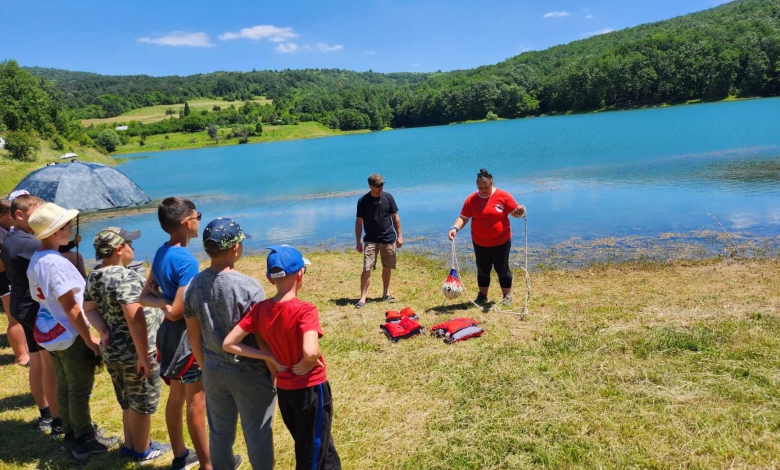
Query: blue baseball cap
286	258
224	232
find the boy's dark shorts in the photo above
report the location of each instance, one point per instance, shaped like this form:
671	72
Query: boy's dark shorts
141	396
193	374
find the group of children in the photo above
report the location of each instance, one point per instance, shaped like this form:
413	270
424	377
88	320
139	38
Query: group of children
224	350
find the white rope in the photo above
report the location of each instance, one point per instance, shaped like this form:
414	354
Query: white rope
520	313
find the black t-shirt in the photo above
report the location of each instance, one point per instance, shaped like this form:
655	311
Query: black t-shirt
3	235
376	212
17	250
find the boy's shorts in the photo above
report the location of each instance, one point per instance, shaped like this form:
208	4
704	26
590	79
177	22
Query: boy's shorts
193	374
386	252
141	396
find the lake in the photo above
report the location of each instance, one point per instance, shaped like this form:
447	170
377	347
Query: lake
633	183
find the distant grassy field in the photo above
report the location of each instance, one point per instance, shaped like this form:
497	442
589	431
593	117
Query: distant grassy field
12	171
616	366
157	113
180	140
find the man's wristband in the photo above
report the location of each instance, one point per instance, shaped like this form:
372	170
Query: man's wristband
456	228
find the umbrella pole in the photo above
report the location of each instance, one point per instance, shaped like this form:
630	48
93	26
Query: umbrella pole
77	234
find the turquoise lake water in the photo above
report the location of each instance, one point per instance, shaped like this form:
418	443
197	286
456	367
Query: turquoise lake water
629	175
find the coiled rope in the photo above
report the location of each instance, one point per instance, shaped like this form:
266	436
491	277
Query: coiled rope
520	313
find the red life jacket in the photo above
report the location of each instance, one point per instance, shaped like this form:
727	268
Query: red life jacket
457	329
404	328
394	316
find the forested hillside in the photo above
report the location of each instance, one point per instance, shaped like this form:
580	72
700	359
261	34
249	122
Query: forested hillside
731	50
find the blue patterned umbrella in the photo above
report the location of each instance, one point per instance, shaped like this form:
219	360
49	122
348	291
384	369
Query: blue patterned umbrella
87	187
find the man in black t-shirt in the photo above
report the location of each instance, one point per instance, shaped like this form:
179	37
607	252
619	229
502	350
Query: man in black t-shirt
377	214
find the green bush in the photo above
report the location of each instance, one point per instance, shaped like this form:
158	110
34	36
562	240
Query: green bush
22	146
491	116
109	140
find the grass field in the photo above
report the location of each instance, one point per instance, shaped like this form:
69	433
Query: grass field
12	171
180	140
157	113
616	366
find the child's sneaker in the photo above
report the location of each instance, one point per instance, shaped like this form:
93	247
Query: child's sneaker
68	441
186	461
56	427
239	461
481	299
93	443
507	300
155	450
43	424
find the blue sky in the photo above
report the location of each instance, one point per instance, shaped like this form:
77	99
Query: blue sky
173	37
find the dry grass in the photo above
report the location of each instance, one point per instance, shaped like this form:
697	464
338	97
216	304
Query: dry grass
617	366
157	113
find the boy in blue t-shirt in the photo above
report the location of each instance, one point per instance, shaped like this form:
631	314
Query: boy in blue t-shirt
172	270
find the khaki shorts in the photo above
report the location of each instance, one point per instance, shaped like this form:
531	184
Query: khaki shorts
386	251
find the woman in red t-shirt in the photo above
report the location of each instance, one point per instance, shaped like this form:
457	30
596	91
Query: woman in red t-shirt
491	234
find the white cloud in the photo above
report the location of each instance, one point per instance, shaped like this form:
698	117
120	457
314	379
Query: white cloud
370	52
179	38
598	33
587	17
524	48
323	47
293	48
287	48
556	14
266	31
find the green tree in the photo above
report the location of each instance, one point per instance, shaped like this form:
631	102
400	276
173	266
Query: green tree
186	109
22	146
491	116
108	139
213	131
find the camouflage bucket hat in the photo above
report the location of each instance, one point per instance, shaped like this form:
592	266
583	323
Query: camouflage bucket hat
108	239
224	233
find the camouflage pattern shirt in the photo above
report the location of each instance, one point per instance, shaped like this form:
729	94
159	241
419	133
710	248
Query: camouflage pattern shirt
110	288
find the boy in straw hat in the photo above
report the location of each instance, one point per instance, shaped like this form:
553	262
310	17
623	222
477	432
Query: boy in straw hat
62	328
114	290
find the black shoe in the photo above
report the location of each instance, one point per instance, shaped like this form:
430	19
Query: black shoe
239	461
69	440
56	427
93	443
186	461
481	299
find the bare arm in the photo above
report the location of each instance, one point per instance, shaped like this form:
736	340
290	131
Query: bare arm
74	313
195	334
397	226
136	323
176	311
233	345
149	296
518	212
311	354
458	225
96	320
358	233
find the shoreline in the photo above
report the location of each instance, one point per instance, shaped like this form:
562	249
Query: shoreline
260	140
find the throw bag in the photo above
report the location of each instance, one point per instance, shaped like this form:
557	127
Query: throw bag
453	286
405	328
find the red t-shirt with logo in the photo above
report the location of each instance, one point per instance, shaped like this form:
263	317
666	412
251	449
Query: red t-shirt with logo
282	325
489	217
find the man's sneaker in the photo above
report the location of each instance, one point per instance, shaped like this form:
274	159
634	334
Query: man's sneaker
507	300
93	443
239	461
69	440
56	427
155	450
43	424
481	299
186	461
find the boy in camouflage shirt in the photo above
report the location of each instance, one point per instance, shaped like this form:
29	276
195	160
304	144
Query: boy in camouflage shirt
130	354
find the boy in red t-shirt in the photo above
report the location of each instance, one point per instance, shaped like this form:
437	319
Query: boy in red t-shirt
291	327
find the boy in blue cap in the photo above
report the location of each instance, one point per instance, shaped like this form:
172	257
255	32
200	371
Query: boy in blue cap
215	301
291	327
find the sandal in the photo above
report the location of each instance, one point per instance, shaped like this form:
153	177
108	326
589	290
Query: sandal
360	304
389	299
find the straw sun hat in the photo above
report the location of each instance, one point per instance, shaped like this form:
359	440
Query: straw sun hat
49	218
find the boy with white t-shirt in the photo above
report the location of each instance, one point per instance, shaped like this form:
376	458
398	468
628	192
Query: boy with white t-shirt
62	328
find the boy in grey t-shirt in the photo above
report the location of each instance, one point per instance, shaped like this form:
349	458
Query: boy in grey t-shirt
214	302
